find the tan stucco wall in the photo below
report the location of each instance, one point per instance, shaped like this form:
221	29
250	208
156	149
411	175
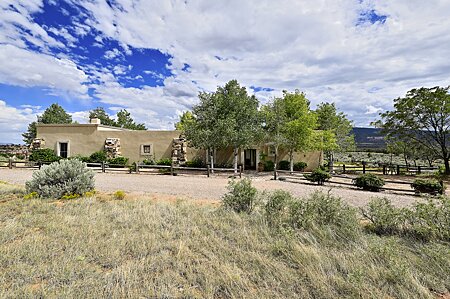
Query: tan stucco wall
85	139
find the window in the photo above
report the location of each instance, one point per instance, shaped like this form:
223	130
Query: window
63	149
146	149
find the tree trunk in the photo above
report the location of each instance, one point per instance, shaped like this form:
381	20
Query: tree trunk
211	159
291	160
447	165
331	163
275	163
235	160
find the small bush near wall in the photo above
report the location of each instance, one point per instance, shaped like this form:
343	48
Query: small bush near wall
148	162
118	161
318	176
164	161
284	165
97	157
196	162
430	186
63	178
44	155
269	165
369	182
300	166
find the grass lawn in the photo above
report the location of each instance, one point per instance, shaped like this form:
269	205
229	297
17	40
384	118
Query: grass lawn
140	248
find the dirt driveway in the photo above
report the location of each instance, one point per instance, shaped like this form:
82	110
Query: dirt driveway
201	187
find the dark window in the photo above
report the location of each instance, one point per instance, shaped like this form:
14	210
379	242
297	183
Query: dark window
63	149
147	149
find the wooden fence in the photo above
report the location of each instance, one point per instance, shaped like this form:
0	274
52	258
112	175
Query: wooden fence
298	177
385	169
133	168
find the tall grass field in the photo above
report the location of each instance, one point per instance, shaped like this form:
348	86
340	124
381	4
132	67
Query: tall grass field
101	247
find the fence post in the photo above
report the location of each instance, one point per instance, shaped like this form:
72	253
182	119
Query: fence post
171	169
398	169
137	166
364	167
384	169
39	164
343	168
207	170
240	171
103	166
419	170
275	174
10	163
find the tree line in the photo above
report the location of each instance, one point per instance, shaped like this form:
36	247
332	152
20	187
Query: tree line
230	117
55	114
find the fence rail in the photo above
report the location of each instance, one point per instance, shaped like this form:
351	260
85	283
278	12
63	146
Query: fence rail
133	168
385	169
299	178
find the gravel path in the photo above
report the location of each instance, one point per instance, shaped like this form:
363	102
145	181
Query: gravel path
201	187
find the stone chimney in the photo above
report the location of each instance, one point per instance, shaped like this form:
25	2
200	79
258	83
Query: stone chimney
95	121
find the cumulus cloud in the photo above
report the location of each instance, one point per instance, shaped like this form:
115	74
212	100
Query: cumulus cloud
359	54
16	120
26	68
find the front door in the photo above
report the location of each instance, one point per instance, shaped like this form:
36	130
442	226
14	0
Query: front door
250	159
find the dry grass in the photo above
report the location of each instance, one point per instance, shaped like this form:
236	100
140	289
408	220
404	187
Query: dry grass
140	248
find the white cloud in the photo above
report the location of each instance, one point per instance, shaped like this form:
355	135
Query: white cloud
27	68
310	45
14	121
373	110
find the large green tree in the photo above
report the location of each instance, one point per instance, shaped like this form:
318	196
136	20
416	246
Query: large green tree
240	111
123	119
55	114
207	127
104	117
422	116
337	123
300	125
289	123
184	118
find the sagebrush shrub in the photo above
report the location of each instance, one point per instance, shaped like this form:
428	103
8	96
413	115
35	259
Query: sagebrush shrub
276	207
318	176
369	182
383	216
241	196
430	186
63	178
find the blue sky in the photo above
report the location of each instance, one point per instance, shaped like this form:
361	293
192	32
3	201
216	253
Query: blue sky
153	57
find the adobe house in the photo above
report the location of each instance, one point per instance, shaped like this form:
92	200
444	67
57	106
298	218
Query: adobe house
69	140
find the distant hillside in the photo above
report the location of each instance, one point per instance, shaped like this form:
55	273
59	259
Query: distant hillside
369	139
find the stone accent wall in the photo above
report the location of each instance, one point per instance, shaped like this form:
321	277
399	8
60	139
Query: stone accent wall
179	151
112	148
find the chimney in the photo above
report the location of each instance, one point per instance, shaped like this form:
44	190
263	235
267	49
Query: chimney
94	121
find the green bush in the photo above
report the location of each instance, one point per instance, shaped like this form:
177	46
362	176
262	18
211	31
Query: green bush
66	177
164	161
119	195
196	162
81	158
118	161
269	165
430	186
300	166
383	217
320	210
284	165
369	182
148	162
276	207
318	176
241	196
97	157
224	165
44	155
424	220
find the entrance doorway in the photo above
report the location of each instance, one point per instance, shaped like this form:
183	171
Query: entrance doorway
250	159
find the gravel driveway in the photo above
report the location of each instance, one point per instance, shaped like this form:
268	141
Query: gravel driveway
201	187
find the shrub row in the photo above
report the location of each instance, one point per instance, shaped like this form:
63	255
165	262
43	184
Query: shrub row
428	220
